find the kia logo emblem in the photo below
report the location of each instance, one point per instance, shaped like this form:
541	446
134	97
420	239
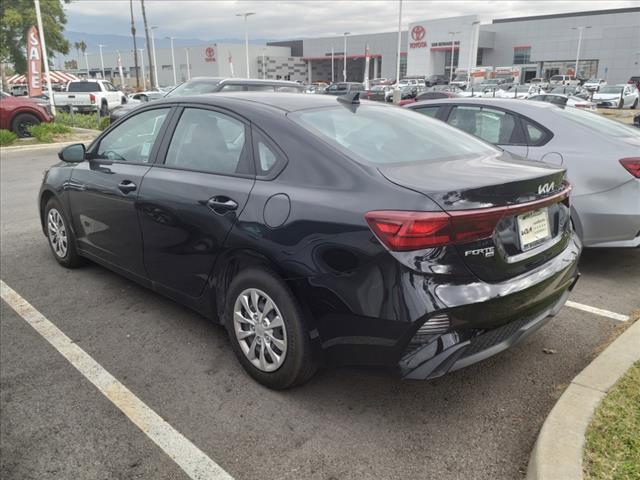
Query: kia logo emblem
209	52
417	33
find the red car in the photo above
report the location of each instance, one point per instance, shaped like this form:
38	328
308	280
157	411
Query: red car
19	113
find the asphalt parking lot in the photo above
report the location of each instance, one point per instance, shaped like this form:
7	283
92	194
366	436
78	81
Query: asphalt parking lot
480	422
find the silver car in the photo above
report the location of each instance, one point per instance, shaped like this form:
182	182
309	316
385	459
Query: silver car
602	157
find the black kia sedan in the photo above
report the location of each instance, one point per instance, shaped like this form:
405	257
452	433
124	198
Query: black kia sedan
320	230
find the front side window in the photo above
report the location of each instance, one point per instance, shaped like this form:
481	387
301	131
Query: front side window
429	111
195	87
260	88
229	87
385	135
210	142
132	140
493	126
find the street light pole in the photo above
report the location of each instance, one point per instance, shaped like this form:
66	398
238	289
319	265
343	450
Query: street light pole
101	60
344	65
399	43
264	67
246	38
173	62
332	63
45	56
155	60
580	30
452	46
86	62
144	79
186	51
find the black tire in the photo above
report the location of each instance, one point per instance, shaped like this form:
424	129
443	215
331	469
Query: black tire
22	122
299	363
621	103
104	110
123	100
70	257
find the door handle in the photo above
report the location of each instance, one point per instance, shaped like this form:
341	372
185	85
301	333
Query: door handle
221	204
127	186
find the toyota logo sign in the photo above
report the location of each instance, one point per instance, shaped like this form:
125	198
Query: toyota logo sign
210	54
417	35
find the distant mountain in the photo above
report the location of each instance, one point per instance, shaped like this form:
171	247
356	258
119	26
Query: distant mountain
125	42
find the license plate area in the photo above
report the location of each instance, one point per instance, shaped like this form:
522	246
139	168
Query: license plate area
533	228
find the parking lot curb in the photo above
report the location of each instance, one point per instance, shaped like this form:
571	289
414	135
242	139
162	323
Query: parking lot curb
559	448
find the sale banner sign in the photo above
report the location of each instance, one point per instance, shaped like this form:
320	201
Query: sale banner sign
34	60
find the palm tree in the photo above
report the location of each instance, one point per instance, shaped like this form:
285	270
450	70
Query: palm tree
135	47
76	45
146	34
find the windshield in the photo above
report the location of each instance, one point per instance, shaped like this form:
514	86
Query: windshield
597	122
196	87
617	90
460	78
373	134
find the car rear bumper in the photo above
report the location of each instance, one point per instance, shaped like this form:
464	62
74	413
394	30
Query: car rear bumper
611	218
398	304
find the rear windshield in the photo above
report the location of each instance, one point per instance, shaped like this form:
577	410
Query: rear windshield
597	122
83	87
197	87
384	135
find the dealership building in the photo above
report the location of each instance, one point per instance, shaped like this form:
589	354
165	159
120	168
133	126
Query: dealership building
606	41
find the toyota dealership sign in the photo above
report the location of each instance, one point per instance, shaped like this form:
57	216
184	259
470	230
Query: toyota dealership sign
417	35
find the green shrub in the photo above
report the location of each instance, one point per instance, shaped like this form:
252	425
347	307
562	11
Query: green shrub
79	120
44	132
7	137
104	123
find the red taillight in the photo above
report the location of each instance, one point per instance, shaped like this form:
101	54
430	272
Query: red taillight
92	98
401	230
632	165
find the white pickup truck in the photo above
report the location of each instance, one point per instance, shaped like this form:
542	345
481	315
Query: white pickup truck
90	96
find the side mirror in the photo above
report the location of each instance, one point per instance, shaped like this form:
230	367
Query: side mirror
73	153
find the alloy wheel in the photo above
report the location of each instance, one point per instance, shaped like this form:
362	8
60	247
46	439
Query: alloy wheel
57	233
260	330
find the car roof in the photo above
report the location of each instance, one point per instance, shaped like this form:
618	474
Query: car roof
287	102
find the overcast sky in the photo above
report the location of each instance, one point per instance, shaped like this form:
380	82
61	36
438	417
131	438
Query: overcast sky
284	19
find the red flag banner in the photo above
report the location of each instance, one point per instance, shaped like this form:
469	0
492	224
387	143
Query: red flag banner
34	58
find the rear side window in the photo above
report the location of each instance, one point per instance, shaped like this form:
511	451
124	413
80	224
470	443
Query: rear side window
270	160
534	133
209	141
385	135
493	126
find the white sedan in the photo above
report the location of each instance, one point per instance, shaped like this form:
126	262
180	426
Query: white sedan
617	96
565	100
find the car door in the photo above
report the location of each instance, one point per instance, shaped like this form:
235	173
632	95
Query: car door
113	95
493	125
192	197
103	190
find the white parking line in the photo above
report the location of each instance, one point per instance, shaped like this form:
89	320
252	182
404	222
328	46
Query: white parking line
597	311
190	458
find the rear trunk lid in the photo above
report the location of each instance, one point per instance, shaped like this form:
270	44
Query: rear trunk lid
527	201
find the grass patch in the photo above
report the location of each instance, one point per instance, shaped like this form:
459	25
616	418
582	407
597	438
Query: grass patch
612	450
44	132
82	120
7	137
